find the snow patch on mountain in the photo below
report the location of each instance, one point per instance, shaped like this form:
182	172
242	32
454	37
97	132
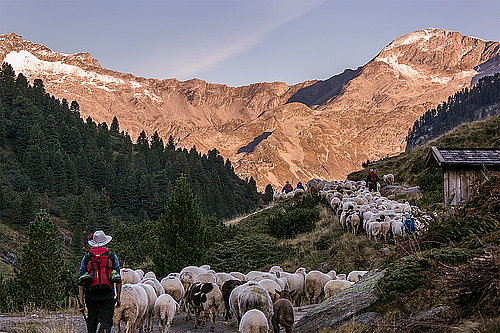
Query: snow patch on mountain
25	62
401	68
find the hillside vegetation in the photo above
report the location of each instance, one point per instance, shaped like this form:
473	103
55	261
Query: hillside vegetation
479	102
89	176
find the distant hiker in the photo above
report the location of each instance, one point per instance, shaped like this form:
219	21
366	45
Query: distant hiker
408	226
99	272
287	188
300	186
371	181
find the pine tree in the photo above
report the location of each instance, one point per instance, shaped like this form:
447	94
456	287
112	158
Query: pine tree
41	269
75	108
115	127
181	234
3	129
268	193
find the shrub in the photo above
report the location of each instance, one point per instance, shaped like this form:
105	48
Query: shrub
246	252
406	274
297	217
462	228
293	222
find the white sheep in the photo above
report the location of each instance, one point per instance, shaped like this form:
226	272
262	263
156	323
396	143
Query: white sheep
149	275
148	316
271	287
388	179
188	274
275	269
205	278
173	286
254	296
334	286
239	276
374	230
315	282
155	284
396	229
142	302
385	227
296	284
129	276
140	272
254	321
233	300
165	308
128	311
353	221
355	276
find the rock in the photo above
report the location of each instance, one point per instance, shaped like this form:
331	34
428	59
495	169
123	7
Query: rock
344	306
400	192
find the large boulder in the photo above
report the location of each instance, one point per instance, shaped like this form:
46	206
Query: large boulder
400	192
343	306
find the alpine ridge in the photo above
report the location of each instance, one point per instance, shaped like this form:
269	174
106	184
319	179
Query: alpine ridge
322	129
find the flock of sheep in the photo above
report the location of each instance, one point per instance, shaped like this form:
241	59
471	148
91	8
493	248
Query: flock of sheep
258	300
360	210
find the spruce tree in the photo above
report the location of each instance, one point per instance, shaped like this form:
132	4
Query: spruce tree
41	269
115	127
268	193
181	233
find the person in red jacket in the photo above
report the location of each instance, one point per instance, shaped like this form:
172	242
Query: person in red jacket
287	188
371	181
99	273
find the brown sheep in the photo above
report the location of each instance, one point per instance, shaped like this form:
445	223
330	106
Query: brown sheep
283	312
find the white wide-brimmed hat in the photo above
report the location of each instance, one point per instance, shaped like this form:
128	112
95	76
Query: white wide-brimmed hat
99	239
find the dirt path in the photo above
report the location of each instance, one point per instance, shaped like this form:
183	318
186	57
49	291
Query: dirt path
73	322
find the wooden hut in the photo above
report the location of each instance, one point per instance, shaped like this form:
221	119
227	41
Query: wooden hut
461	168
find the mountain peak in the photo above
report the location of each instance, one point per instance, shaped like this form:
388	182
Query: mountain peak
11	36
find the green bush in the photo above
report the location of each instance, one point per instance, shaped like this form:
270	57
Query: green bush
296	217
448	255
293	222
461	229
406	274
246	252
7	296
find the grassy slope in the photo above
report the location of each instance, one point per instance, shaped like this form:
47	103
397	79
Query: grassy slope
407	167
327	247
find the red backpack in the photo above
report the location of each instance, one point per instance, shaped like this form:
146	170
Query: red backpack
99	266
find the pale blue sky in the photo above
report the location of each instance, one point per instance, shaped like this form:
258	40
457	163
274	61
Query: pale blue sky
238	42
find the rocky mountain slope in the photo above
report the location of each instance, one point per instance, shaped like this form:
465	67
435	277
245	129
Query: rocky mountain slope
319	129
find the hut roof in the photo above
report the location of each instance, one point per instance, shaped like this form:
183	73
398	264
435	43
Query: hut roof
465	156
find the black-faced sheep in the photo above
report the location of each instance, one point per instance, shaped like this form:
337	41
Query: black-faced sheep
227	288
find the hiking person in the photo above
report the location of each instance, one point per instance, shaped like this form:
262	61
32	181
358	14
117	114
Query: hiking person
371	181
287	188
99	272
408	226
299	185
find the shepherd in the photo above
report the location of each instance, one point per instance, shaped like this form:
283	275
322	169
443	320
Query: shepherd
371	181
99	273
